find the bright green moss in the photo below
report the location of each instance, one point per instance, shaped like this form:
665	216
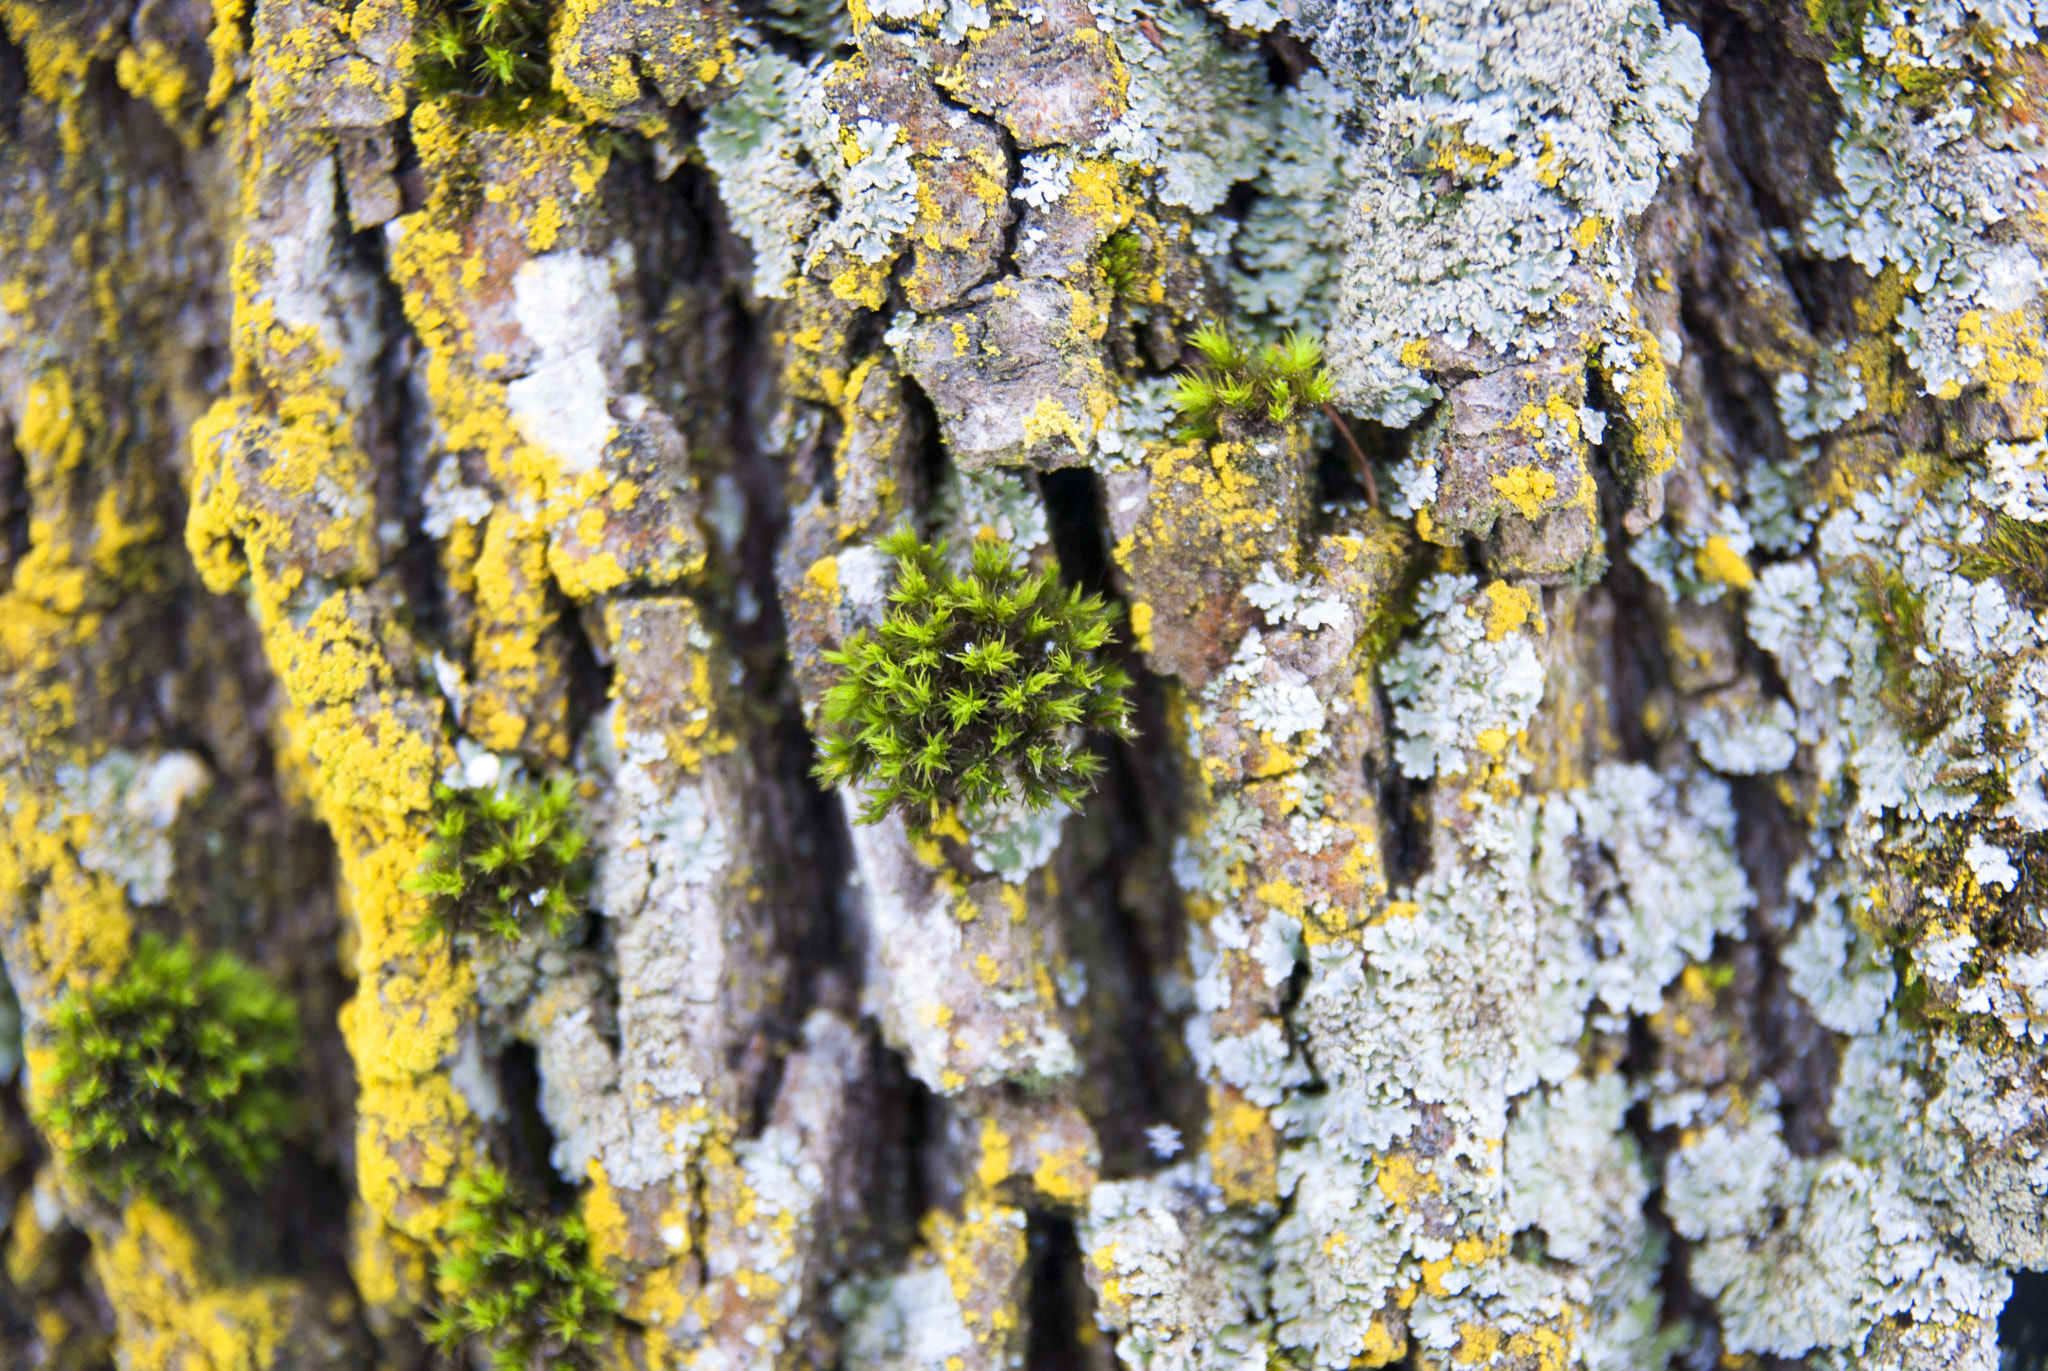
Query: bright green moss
1123	261
493	52
502	858
522	1287
171	1075
973	690
1273	384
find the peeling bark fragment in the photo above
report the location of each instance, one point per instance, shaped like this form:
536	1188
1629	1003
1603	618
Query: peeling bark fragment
327	68
768	1207
1056	81
1192	532
876	467
519	689
249	465
606	53
368	159
1031	1152
1510	467
963	170
1062	239
1015	376
642	525
959	975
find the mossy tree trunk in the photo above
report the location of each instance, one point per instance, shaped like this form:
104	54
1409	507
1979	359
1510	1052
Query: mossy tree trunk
1572	896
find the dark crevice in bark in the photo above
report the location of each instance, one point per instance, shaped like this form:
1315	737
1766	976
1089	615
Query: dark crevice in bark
901	1118
1059	1297
2023	1326
1118	904
1766	115
1404	823
1125	925
1006	265
1636	668
400	441
590	680
54	1273
13	86
933	461
1288	57
1076	518
525	1141
1769	837
13	504
1338	480
1781	114
1792	1049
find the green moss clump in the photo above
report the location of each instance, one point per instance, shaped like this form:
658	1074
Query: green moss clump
171	1075
522	1286
1123	261
972	690
1274	384
2015	551
502	857
492	51
1921	696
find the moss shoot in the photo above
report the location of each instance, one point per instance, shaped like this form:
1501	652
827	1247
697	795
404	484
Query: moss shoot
1273	384
521	1287
973	690
504	860
491	52
171	1075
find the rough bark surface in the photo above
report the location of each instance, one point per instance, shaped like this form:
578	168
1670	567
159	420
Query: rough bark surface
1585	904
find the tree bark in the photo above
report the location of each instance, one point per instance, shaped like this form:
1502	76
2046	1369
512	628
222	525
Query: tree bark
1572	898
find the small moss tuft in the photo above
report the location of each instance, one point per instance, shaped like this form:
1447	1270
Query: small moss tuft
1123	262
1922	696
501	857
2015	551
972	690
1272	385
523	1287
494	52
171	1075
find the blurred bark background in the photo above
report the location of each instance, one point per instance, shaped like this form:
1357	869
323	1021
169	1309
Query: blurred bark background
1442	977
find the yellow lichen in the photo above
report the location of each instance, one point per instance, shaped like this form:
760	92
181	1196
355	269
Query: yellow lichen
1508	607
1720	564
1528	489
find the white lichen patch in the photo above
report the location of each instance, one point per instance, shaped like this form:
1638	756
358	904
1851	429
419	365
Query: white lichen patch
877	190
565	303
1847	1250
120	810
989	503
1178	1277
1291	243
753	143
1013	840
1501	143
1195	116
778	149
1923	187
1429	1036
1739	733
1970	653
2020	473
910	1321
1455	686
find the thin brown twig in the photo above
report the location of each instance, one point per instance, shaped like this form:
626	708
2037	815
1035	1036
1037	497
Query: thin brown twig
1372	487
